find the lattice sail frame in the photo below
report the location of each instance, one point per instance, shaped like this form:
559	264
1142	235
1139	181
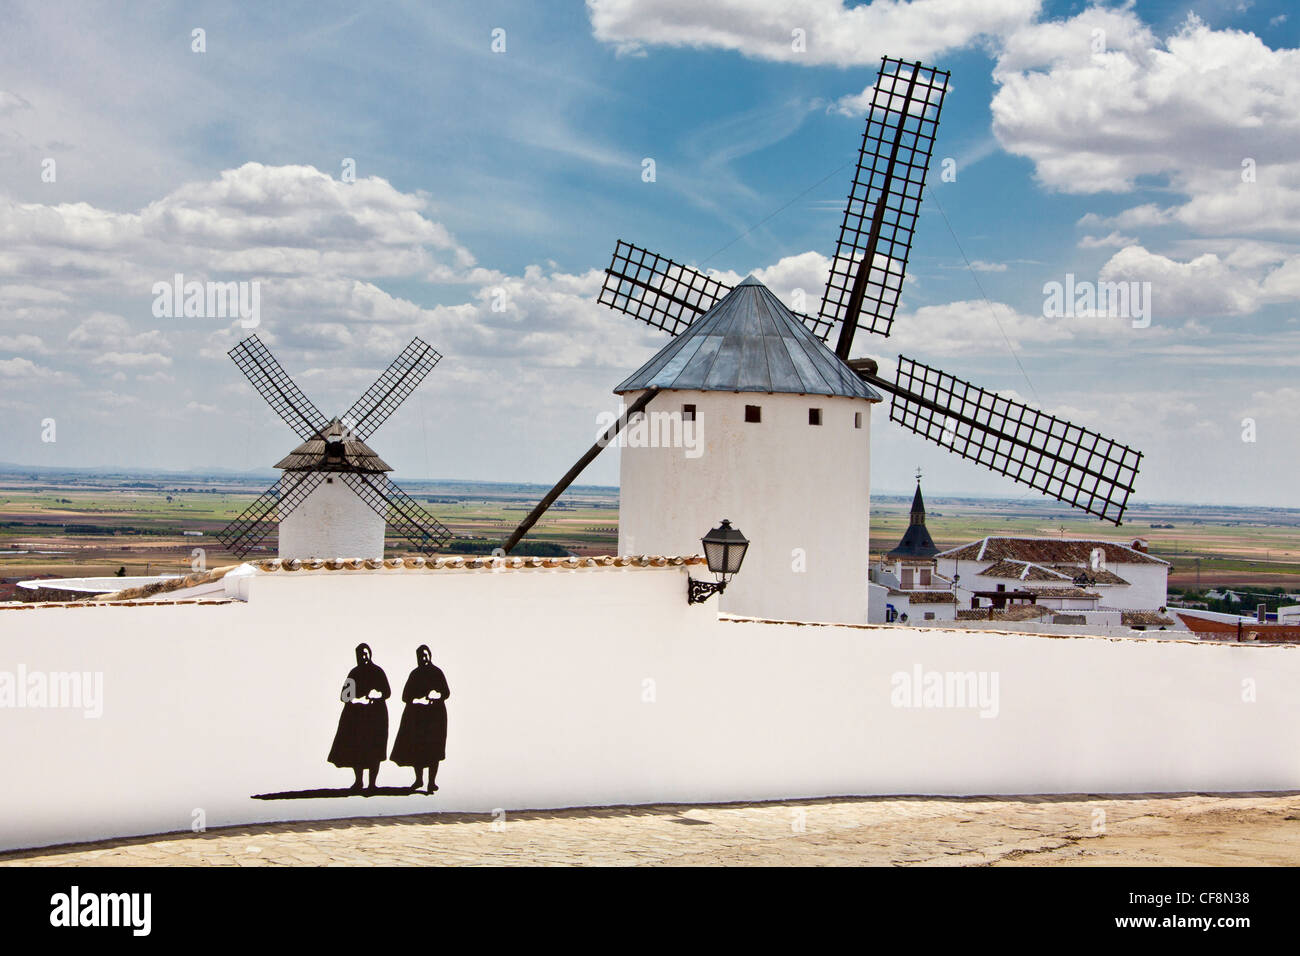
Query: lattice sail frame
904	134
1062	460
402	513
393	387
666	294
1072	464
274	384
256	523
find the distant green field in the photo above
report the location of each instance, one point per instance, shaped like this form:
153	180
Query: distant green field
100	523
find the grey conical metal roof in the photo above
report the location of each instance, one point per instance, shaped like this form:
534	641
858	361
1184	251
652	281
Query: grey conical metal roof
749	342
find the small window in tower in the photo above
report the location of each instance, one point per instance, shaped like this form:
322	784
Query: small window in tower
929	615
329	481
688	413
814	416
925	577
753	413
857	419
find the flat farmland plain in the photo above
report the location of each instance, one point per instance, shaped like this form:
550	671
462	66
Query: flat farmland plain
82	523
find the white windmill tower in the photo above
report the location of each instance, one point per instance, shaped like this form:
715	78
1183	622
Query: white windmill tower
334	498
737	349
781	447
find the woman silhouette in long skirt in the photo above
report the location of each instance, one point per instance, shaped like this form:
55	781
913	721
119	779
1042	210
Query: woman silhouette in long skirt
422	736
362	736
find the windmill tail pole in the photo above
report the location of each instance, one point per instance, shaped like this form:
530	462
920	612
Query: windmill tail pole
577	469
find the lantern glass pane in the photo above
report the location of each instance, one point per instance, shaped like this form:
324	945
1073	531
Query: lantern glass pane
715	554
735	554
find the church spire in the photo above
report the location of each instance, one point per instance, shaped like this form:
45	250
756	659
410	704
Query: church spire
918	503
916	542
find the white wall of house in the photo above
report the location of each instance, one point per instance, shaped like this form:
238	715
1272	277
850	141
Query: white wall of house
1148	586
595	687
938	612
877	598
333	522
1147	590
799	492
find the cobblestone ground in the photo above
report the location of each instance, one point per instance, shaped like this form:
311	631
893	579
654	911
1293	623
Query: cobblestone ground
1239	829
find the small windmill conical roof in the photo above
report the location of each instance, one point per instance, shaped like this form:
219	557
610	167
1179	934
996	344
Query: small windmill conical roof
331	449
749	342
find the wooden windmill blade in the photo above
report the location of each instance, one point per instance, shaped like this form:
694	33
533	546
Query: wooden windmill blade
393	387
666	294
274	384
256	523
884	200
402	513
1068	462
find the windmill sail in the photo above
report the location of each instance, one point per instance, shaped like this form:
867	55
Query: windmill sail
274	384
667	294
403	513
1065	461
880	217
257	523
393	387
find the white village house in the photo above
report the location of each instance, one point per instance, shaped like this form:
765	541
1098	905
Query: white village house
1063	573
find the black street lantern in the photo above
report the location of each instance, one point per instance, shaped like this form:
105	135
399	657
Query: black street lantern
724	550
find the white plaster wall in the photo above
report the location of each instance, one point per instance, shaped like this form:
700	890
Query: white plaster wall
332	522
1148	587
941	612
877	598
597	687
786	484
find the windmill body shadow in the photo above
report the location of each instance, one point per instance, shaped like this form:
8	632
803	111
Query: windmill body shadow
334	498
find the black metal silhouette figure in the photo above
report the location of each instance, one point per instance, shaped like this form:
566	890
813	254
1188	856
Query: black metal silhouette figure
422	735
362	736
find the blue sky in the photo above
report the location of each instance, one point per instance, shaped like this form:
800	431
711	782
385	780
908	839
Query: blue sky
478	171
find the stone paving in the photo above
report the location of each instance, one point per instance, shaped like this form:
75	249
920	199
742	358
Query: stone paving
1238	829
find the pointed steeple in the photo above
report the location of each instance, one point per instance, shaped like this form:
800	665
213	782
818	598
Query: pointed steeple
916	542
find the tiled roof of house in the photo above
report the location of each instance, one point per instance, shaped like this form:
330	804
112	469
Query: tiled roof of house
1048	551
1071	592
925	597
1145	619
1014	612
1096	577
1023	571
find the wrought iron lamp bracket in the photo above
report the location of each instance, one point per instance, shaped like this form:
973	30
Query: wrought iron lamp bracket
697	592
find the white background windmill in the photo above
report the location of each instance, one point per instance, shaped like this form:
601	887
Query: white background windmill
334	498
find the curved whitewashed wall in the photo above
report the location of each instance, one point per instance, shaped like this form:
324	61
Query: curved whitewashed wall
332	522
801	493
601	686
